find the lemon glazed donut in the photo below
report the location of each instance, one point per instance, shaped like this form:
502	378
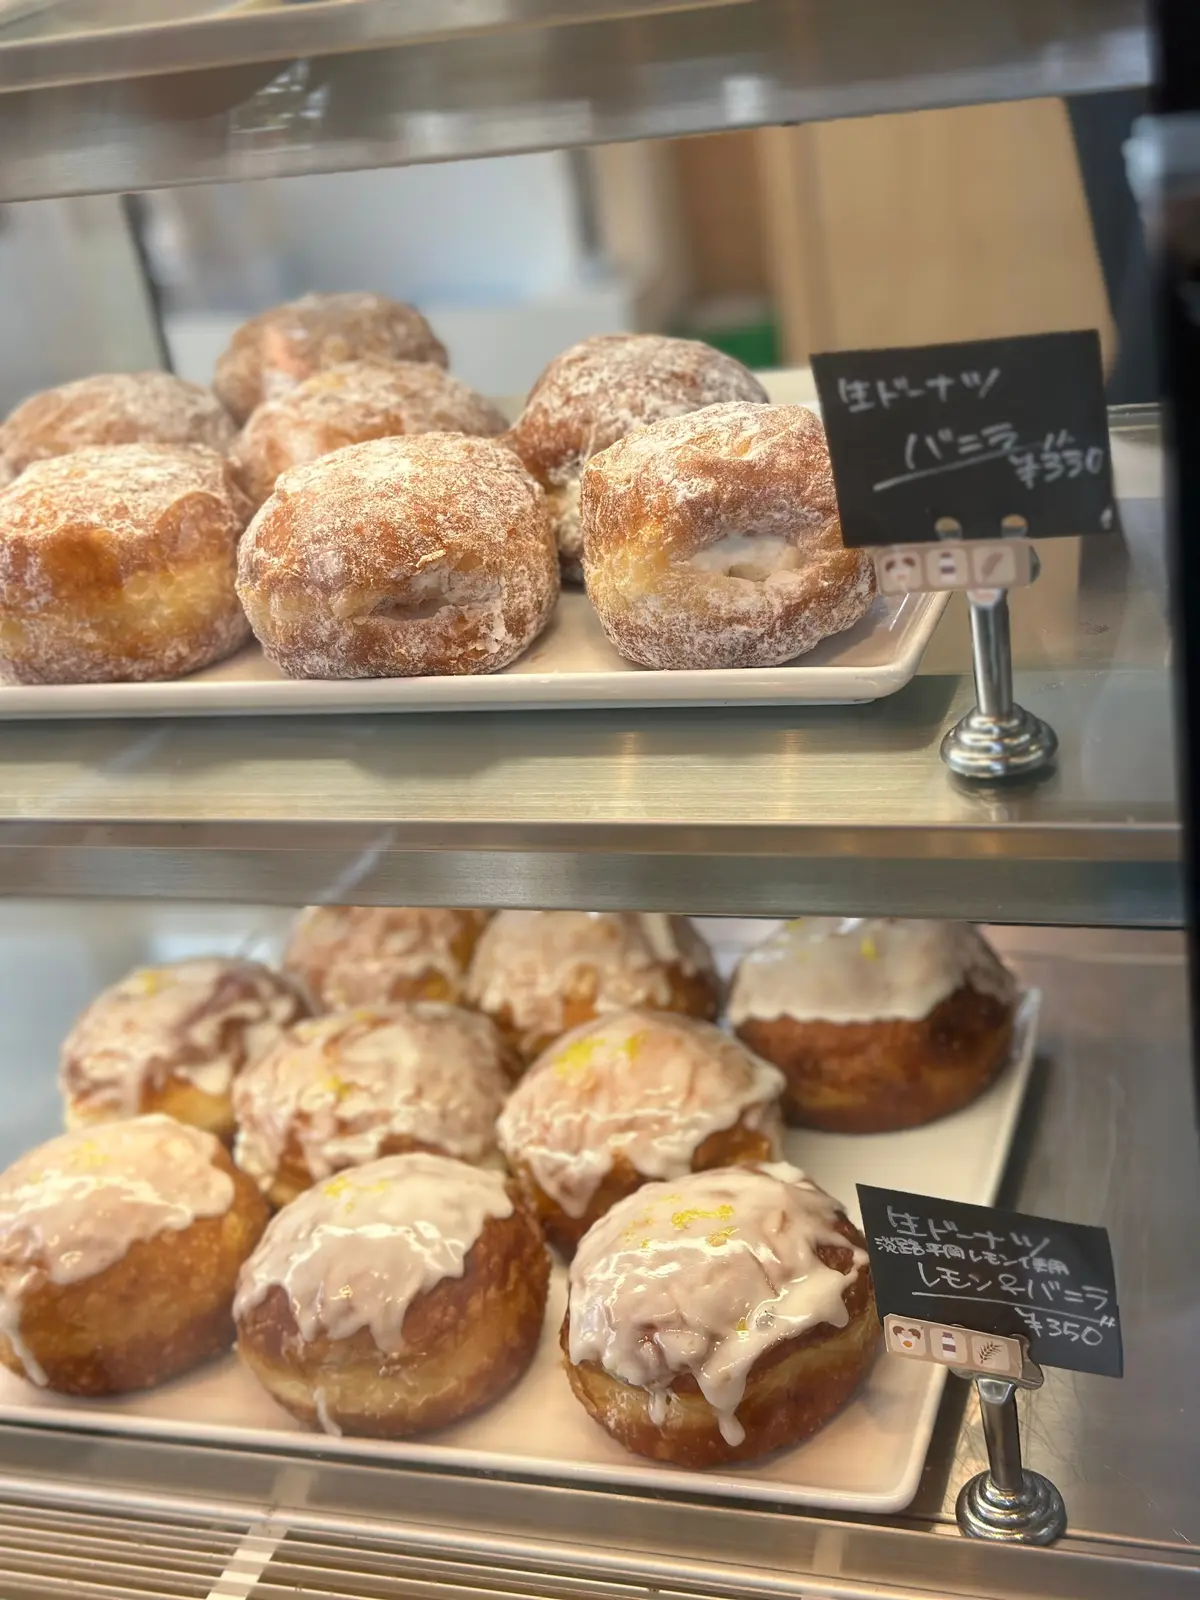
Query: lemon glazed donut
429	553
539	973
350	403
628	1097
341	1090
173	1039
273	352
117	564
719	1317
395	1297
119	1251
114	408
372	955
601	389
713	540
877	1023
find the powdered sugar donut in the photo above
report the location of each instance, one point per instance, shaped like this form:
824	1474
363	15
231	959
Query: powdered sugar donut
114	408
350	403
598	391
713	540
118	564
423	554
278	349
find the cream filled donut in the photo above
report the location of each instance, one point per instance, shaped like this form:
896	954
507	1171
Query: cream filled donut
720	1316
347	404
372	955
344	1089
601	389
273	352
713	540
172	1039
114	408
119	1250
430	553
628	1097
539	973
394	1297
877	1023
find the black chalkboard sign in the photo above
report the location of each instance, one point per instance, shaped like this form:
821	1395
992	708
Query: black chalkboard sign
948	441
997	1272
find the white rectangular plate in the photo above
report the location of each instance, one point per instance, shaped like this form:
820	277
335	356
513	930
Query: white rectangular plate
869	1458
571	665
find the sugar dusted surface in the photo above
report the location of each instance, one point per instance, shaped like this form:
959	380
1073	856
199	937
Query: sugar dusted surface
114	408
658	498
278	349
430	553
350	403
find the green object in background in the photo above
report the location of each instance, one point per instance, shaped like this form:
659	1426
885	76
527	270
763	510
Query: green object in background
742	326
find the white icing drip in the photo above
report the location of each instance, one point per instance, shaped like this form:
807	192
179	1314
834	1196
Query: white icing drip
72	1207
200	1021
864	969
704	1276
645	1086
355	1251
327	1424
357	955
341	1085
529	962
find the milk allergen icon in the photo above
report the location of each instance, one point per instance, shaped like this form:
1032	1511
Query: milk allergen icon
950	1345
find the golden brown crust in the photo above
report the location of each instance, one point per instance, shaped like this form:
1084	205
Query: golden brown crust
466	1341
875	1077
748	487
791	1391
114	408
161	1309
281	347
348	404
117	564
599	390
726	1148
372	955
429	553
692	994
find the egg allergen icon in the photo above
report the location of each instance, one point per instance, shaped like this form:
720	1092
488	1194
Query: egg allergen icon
906	1337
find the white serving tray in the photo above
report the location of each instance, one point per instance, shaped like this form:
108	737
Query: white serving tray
571	665
869	1458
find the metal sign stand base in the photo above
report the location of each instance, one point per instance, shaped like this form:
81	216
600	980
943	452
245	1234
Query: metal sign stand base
1008	1502
998	739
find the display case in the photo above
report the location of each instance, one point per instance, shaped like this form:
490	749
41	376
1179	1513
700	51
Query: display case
141	833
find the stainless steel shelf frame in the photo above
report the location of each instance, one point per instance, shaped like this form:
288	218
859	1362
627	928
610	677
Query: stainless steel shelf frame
87	105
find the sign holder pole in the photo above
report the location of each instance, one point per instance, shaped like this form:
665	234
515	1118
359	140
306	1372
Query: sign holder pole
998	738
1008	1502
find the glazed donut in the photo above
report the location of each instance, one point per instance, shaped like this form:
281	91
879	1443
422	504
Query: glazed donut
396	558
114	408
628	1097
119	1250
877	1023
172	1039
719	1317
279	348
539	973
713	540
350	403
598	391
395	1297
342	1090
372	955
117	564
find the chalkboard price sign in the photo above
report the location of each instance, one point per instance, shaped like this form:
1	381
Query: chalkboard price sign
999	1272
978	440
